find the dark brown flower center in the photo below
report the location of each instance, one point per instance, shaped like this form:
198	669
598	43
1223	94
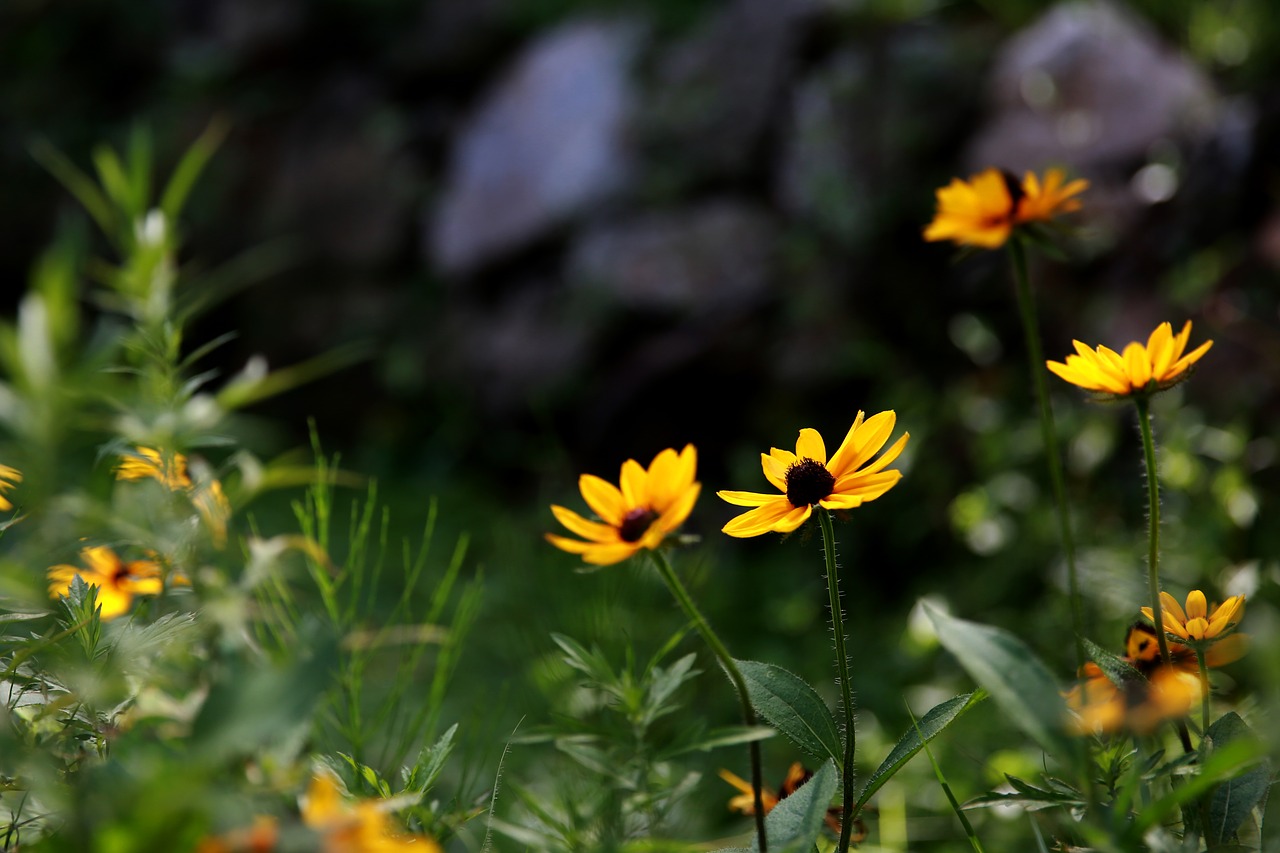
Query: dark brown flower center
636	523
808	481
1014	186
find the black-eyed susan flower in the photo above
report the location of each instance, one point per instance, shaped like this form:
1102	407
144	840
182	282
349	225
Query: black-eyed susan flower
797	775
651	504
142	463
363	826
807	478
117	581
1211	629
1137	370
9	477
985	210
1138	705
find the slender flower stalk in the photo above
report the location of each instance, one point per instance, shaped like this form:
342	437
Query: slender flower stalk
842	664
1204	696
1143	403
1031	330
686	602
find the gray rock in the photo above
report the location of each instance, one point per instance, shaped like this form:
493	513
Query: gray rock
1089	85
716	92
548	143
718	255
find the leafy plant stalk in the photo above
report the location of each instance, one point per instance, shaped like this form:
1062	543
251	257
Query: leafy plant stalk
735	675
1035	353
946	789
842	664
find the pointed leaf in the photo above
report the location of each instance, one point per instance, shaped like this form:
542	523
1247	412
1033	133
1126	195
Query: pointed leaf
1236	798
790	705
795	823
1020	684
931	725
1118	670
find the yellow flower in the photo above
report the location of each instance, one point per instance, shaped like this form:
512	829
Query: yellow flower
650	505
1202	625
1138	369
211	502
144	462
1041	202
260	837
797	775
360	827
8	478
117	581
1139	706
806	477
985	210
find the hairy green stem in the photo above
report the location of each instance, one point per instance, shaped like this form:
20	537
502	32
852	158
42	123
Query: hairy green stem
1153	524
846	689
1035	353
1204	698
735	675
1143	404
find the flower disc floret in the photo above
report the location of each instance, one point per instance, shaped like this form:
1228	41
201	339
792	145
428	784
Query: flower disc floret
808	478
1138	370
638	514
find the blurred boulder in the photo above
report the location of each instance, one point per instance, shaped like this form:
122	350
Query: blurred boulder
716	92
508	353
1091	86
548	143
717	255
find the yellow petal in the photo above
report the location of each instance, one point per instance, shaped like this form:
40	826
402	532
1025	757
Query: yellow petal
759	520
746	498
1137	365
1197	606
1160	350
810	446
1171	606
607	555
841	501
604	498
675	515
866	442
592	531
868	487
635	485
775	470
888	456
792	520
1226	650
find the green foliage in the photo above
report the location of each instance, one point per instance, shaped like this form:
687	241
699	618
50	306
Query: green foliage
794	708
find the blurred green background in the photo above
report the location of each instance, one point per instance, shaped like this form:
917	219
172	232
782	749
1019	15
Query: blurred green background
573	232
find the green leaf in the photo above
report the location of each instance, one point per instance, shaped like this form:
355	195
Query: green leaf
1235	799
794	708
716	738
1115	668
796	822
931	725
1020	684
189	169
1223	763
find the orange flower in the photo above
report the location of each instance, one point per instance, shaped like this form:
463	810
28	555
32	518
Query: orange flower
650	505
985	210
360	827
147	462
117	581
1139	370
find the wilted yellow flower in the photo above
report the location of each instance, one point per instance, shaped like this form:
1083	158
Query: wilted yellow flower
1138	369
359	827
650	505
211	502
9	477
985	210
147	462
807	478
117	581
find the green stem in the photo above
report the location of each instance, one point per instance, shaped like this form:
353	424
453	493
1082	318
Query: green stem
735	675
1153	542
1204	698
1153	524
846	689
1035	353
